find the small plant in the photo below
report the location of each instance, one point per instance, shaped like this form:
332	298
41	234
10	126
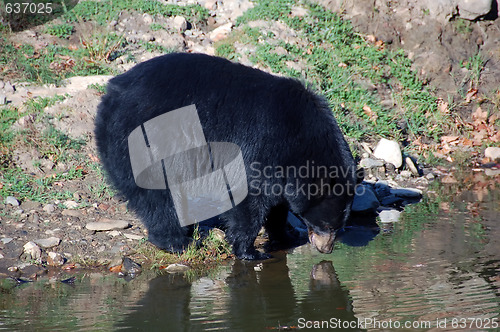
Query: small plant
156	27
63	30
475	65
98	87
101	46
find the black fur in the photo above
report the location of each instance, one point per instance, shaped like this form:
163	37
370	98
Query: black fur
275	121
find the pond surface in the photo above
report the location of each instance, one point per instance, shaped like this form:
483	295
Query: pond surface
440	264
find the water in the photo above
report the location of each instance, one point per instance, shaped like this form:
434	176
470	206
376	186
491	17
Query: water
439	265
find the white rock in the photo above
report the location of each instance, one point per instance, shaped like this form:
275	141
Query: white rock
472	9
176	268
11	201
389	151
389	216
1	256
179	23
133	236
70	204
31	249
49	242
114	233
220	32
49	208
6	240
107	225
55	259
411	166
493	153
370	163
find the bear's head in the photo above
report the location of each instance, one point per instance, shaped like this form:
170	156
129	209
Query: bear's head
328	212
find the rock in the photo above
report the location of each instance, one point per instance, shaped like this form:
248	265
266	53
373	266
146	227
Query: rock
179	23
177	268
70	204
492	172
8	88
430	176
49	208
3	99
473	9
32	250
114	233
72	213
370	163
365	200
6	240
11	201
389	216
407	193
411	166
298	11
49	242
382	189
1	256
405	174
493	153
133	236
55	259
107	225
389	151
391	200
220	32
218	234
129	267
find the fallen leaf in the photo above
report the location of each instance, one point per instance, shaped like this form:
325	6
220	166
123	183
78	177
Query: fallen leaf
479	116
371	38
471	94
448	139
442	106
371	114
116	268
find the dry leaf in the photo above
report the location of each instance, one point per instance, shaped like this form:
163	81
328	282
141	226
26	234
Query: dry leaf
443	107
116	268
479	116
448	139
471	94
371	114
371	38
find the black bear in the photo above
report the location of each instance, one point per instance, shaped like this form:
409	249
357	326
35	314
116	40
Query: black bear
295	156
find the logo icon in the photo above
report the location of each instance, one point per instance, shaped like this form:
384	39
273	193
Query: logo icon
205	179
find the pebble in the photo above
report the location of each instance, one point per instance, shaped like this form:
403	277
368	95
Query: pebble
370	163
49	208
1	256
49	242
107	225
6	240
365	200
133	236
220	32
3	99
179	23
389	216
32	250
11	201
493	153
72	213
70	204
55	259
177	268
411	166
130	267
389	151
114	233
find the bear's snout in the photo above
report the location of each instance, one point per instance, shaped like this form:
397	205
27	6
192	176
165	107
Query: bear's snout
322	242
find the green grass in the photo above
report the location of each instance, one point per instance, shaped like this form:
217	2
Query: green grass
105	11
63	30
341	65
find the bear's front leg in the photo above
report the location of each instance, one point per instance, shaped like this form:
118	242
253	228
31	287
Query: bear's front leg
242	230
164	230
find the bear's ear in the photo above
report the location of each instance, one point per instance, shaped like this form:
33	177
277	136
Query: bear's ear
360	175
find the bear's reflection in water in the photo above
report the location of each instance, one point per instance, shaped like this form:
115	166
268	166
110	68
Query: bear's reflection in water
254	297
